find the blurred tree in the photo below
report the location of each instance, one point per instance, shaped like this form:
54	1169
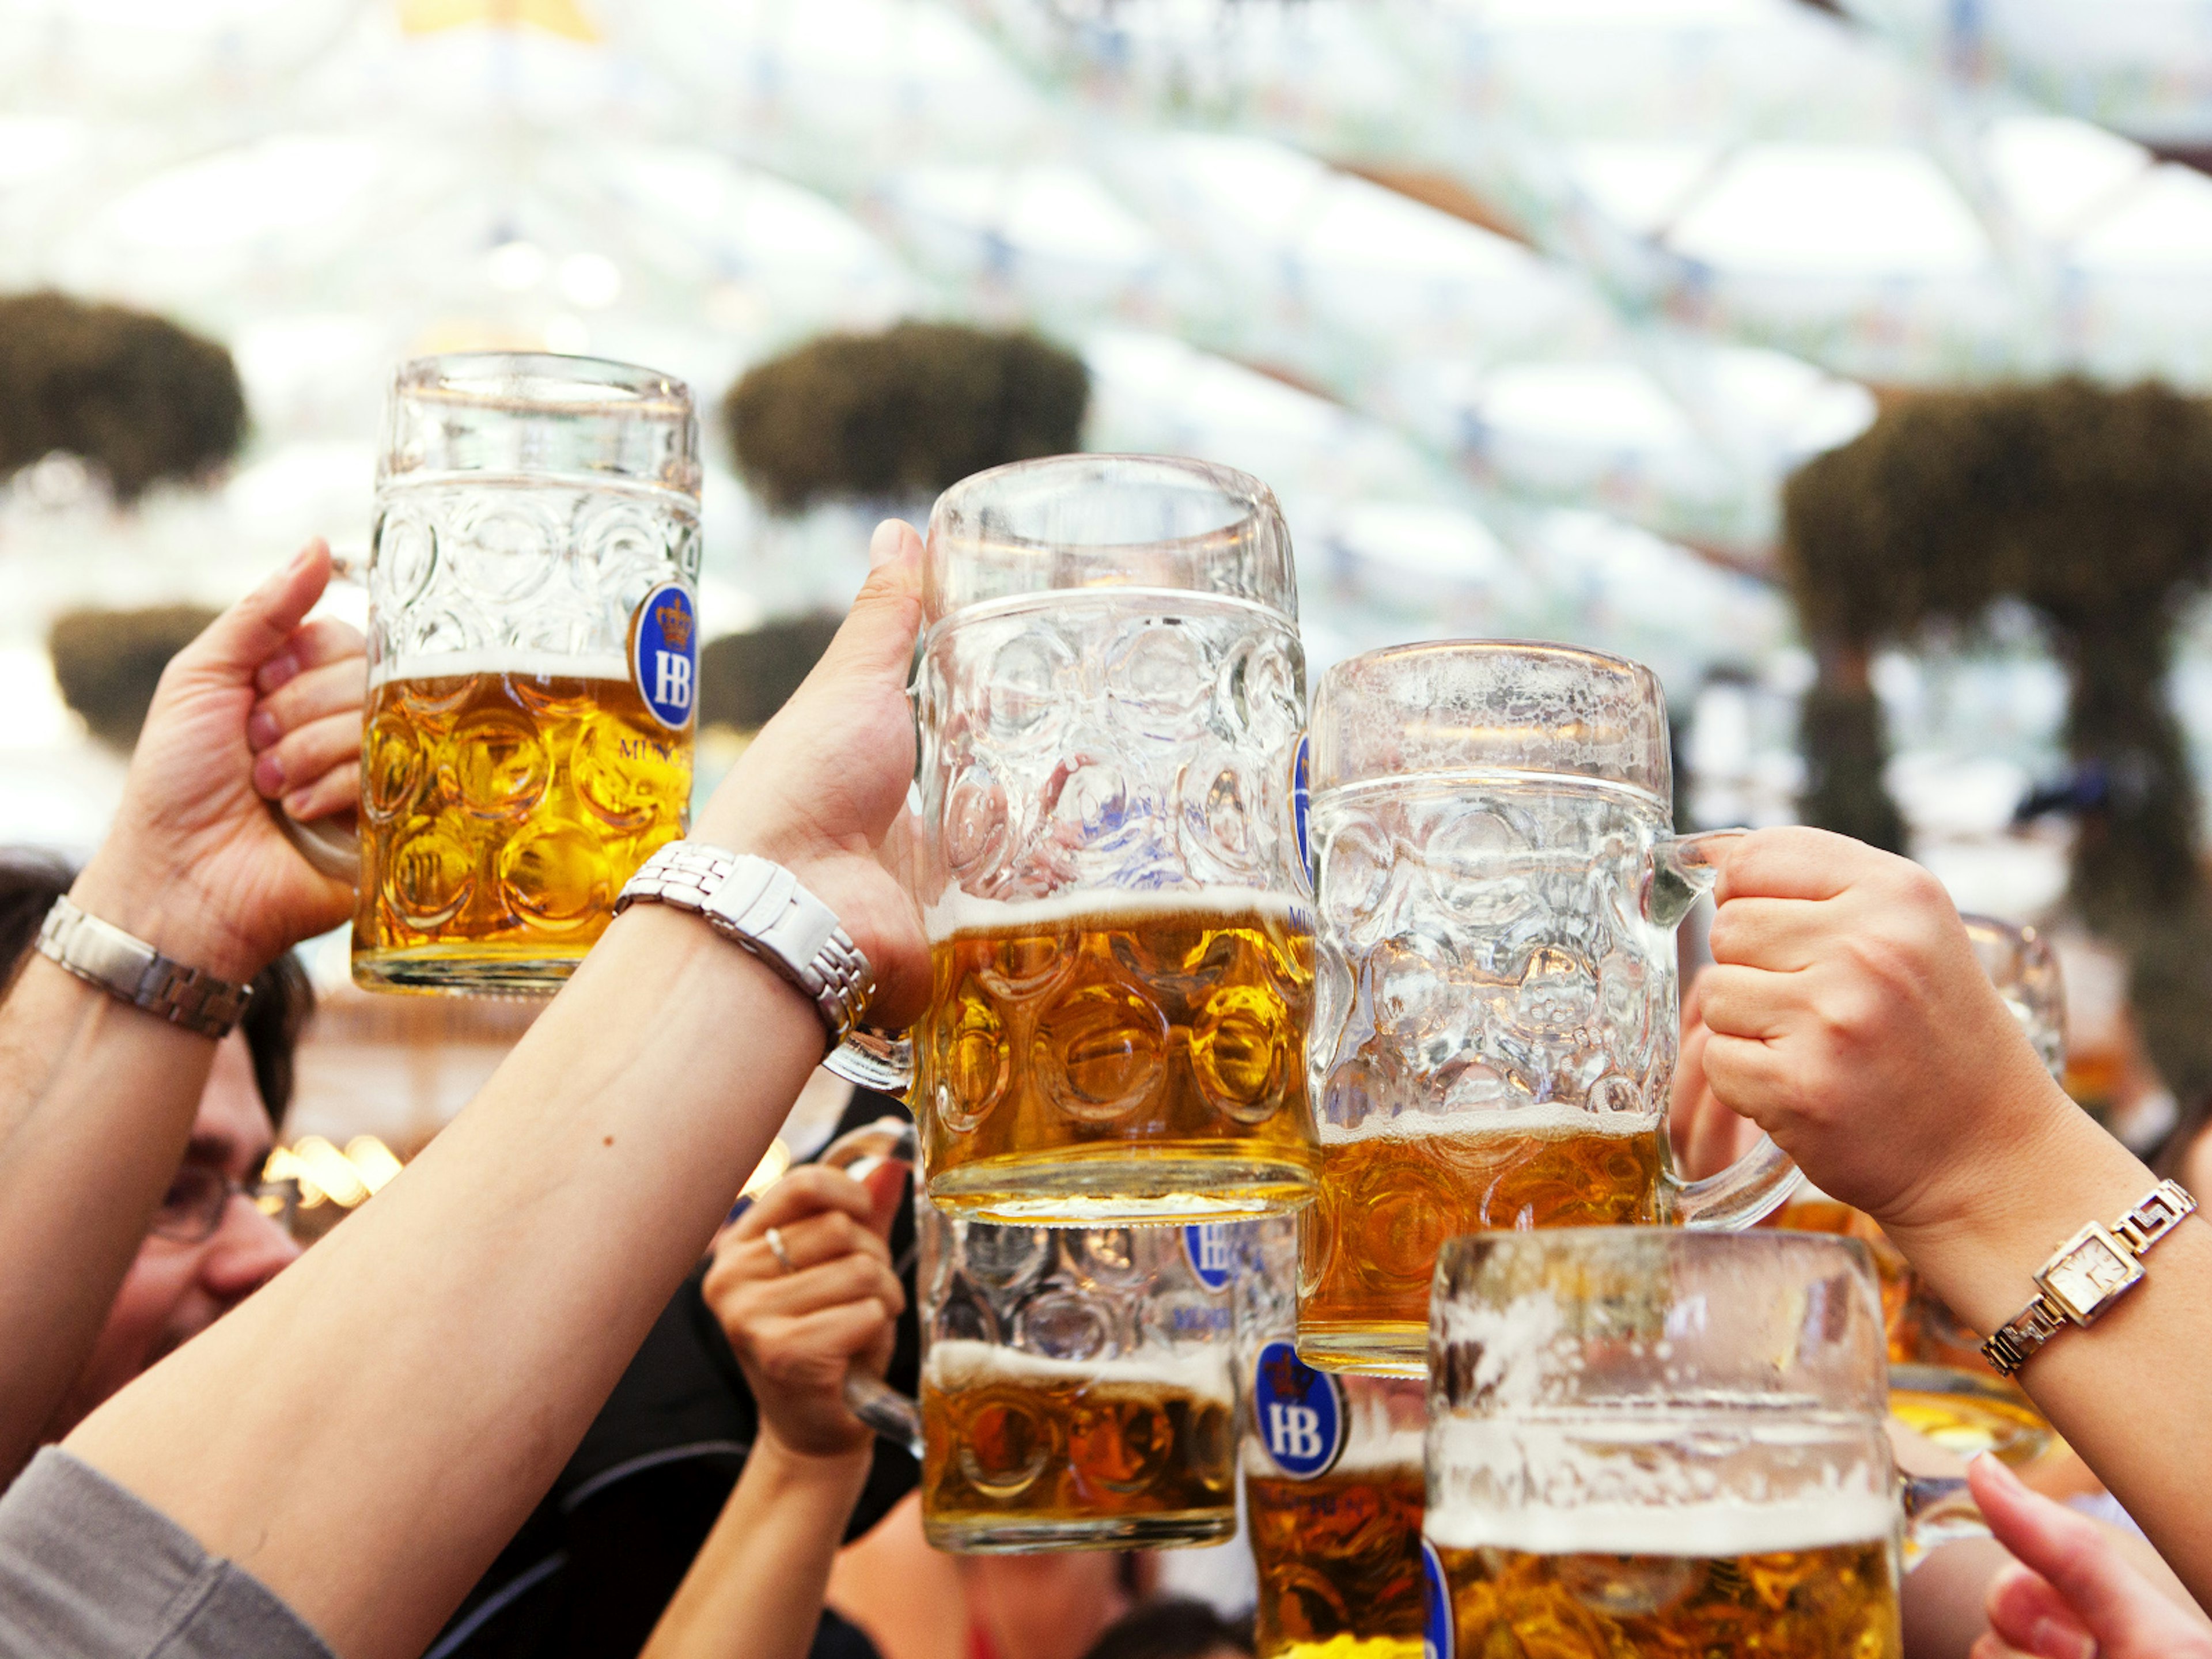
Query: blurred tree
2094	507
901	413
134	395
108	662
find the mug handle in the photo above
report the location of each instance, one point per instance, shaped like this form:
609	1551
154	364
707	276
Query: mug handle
1938	1509
332	849
1683	869
858	1151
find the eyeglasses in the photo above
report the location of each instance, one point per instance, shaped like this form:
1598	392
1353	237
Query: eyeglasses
193	1208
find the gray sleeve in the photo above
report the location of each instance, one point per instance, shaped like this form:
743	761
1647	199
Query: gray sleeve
88	1570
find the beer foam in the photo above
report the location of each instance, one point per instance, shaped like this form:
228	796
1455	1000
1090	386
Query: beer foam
1547	1118
1401	1449
959	912
1714	1528
970	1362
501	660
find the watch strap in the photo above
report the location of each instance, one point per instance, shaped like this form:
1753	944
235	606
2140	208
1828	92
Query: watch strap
759	905
128	968
2159	1213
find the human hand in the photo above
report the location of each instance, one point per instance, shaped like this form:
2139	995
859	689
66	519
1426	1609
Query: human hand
1707	1136
798	1330
2069	1594
823	787
196	863
1850	1020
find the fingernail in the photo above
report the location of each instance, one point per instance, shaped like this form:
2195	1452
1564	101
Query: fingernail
299	561
1994	1468
277	670
261	729
269	775
295	803
2052	1640
883	545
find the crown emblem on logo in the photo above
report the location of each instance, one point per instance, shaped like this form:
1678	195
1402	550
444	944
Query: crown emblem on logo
675	620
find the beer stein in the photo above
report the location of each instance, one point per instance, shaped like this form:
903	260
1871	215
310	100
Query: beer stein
1495	1023
1650	1440
532	650
1076	1391
1110	693
1330	1468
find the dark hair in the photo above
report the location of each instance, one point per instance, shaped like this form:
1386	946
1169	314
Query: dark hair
1173	1627
108	663
282	997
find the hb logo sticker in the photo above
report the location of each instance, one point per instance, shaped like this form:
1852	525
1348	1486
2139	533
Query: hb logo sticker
1300	1413
663	654
1439	1632
1211	1249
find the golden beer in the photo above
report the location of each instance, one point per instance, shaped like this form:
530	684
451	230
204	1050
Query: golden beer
1020	1451
501	811
1394	1190
1339	1562
1694	1583
1138	1063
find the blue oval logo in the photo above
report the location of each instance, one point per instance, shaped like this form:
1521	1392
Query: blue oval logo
663	654
1211	1249
1298	1411
1439	1632
1301	800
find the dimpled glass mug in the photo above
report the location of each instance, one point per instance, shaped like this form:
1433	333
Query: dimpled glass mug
532	650
1497	886
1650	1440
1109	696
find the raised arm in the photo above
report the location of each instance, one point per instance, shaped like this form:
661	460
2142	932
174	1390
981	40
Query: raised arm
755	1591
366	1433
96	1097
1851	1020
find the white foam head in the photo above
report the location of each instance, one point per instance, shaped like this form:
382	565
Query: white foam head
1714	1528
1547	1118
500	659
968	1363
955	911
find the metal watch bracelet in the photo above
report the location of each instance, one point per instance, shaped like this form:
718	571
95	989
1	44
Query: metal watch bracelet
128	968
2087	1274
760	905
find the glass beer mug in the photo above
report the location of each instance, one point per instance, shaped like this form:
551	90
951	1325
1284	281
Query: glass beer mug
1649	1440
1076	1390
1495	1021
1110	693
1331	1468
532	658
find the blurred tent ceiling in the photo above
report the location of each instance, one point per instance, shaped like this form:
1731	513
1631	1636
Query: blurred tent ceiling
1525	307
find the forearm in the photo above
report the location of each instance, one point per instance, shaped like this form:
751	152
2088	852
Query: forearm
755	1590
2125	1392
455	1336
96	1103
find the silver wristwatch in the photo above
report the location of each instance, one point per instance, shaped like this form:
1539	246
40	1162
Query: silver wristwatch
760	906
129	967
2087	1274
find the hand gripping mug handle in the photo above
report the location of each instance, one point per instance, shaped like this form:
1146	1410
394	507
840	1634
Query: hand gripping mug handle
1683	870
858	1151
332	849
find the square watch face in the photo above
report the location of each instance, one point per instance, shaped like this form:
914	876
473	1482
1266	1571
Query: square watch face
2093	1269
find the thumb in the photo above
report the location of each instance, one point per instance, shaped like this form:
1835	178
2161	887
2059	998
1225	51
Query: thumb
236	643
2068	1550
877	638
886	1189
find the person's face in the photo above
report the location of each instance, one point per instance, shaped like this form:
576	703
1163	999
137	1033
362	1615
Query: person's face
174	1289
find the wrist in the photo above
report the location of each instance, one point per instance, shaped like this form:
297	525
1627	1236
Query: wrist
2029	1192
836	1466
167	909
